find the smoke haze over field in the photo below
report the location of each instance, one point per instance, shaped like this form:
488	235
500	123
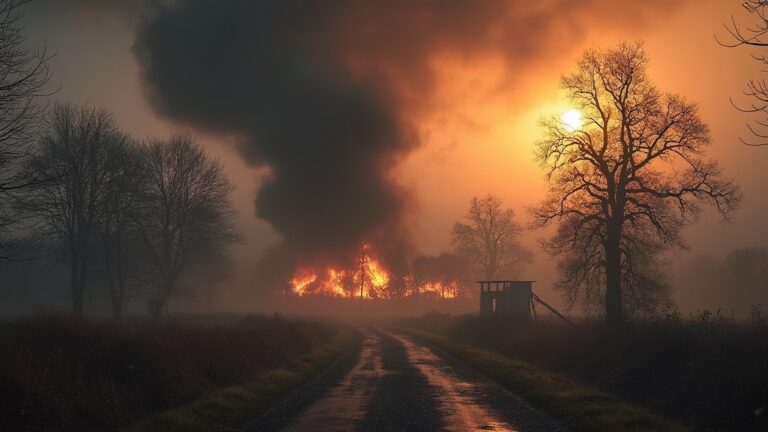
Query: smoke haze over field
378	120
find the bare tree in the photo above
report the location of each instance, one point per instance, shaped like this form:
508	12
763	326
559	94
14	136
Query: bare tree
123	256
752	34
489	239
73	156
623	184
188	221
23	75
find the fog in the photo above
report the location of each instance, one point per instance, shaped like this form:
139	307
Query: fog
404	116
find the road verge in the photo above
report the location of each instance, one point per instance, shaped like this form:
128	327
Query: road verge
232	407
578	407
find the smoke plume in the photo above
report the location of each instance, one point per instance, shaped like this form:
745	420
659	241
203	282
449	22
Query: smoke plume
323	93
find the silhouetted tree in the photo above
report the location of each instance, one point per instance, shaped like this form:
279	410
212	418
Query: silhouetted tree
73	156
188	221
124	256
752	34
622	186
23	75
489	239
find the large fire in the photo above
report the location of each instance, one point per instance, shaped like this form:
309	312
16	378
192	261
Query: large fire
369	279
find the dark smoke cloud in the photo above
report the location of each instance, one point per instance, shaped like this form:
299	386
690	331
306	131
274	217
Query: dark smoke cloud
322	92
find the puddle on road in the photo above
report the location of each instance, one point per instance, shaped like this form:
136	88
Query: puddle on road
463	403
343	407
459	399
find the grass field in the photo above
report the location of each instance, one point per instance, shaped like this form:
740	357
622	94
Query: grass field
57	373
233	407
578	407
708	373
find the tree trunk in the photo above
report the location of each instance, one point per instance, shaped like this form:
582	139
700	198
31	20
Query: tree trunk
77	294
614	312
116	296
117	309
158	303
77	283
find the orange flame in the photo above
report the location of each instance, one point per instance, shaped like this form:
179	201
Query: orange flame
368	280
439	289
301	282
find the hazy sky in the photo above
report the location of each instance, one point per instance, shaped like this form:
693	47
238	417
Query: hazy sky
476	120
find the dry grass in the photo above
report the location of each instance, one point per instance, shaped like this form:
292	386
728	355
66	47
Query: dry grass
578	407
708	372
232	407
57	373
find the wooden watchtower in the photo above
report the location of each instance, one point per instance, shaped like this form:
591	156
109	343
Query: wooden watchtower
506	298
512	299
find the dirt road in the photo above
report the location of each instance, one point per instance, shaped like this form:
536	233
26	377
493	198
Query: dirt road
397	384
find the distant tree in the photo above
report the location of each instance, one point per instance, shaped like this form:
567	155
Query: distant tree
623	185
23	75
124	256
752	34
490	239
74	158
748	276
187	223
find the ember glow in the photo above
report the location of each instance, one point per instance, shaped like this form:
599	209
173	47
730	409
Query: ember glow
367	279
440	289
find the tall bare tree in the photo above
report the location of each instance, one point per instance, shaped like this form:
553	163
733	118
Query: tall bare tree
73	156
752	34
623	184
490	239
188	220
123	256
23	75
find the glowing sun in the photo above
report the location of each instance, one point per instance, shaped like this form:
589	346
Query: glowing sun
572	120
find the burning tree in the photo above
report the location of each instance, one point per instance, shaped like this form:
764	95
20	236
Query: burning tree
623	185
364	278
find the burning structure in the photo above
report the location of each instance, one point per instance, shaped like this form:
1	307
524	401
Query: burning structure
369	278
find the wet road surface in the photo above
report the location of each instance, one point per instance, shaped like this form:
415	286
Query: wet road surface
396	383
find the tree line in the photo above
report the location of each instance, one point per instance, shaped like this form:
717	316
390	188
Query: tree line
137	214
155	214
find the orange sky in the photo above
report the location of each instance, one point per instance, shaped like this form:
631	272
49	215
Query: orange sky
478	131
